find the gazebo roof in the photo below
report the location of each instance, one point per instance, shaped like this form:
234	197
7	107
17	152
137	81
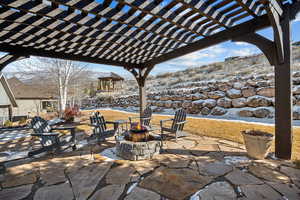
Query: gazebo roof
128	33
110	75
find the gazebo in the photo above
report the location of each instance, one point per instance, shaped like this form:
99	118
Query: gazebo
137	35
109	82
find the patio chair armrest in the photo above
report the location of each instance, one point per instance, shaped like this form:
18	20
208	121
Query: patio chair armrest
62	128
44	134
183	122
97	125
111	122
164	120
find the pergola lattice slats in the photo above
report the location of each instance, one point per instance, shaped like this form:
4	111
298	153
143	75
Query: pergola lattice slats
138	34
48	21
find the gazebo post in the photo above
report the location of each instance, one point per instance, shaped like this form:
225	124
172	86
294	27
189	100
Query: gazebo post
279	54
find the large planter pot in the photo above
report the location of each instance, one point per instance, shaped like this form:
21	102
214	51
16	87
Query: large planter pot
257	143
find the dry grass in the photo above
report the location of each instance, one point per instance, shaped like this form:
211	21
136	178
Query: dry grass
229	130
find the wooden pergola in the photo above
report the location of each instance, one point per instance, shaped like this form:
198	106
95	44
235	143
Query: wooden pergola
138	34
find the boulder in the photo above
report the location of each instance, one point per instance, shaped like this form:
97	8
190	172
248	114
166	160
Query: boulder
168	104
224	87
164	98
198	96
296	113
296	74
296	81
263	84
216	94
245	113
224	102
198	104
267	91
248	91
261	112
239	102
186	104
205	111
296	89
238	85
258	101
252	83
218	111
209	103
234	93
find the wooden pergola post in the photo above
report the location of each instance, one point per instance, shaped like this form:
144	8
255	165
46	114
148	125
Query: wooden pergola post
283	94
279	54
141	75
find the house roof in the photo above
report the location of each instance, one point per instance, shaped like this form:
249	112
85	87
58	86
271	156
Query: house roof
110	75
8	91
27	91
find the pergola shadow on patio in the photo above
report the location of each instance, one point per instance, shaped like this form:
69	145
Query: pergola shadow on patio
138	34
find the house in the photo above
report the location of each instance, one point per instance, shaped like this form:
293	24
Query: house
7	100
31	99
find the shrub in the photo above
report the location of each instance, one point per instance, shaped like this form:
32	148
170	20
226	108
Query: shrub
22	121
8	123
70	113
297	163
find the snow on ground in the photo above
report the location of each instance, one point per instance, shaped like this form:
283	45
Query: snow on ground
230	116
110	154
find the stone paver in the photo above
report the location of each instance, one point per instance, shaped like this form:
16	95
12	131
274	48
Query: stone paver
16	193
55	192
172	161
143	167
238	177
293	173
122	174
175	184
20	175
108	192
139	193
256	192
268	174
85	180
288	190
214	168
216	191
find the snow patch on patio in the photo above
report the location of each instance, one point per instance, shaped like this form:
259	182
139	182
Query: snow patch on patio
131	187
13	135
12	155
110	154
230	160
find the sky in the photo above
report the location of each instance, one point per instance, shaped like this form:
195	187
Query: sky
209	55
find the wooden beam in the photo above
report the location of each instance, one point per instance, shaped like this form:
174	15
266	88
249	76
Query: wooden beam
9	58
275	17
52	54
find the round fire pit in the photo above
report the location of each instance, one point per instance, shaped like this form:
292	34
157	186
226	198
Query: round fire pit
138	146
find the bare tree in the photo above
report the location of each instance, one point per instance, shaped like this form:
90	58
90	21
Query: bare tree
55	72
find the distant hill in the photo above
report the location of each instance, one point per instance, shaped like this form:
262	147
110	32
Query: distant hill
232	67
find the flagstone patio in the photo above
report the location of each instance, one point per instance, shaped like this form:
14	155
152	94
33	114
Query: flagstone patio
196	167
